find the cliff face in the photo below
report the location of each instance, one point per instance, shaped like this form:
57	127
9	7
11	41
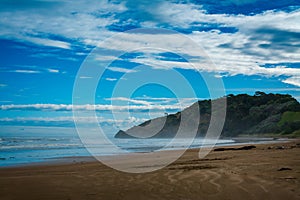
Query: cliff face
258	114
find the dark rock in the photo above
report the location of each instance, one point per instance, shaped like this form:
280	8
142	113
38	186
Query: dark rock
235	149
284	169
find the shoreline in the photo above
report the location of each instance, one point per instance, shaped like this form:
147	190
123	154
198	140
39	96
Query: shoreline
87	159
239	141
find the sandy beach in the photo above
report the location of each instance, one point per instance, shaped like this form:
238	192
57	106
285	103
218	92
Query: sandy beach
268	171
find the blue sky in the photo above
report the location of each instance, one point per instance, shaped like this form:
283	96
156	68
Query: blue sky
254	45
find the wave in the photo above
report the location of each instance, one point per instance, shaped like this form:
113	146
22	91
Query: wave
41	146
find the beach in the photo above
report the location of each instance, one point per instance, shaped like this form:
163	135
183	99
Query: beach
264	171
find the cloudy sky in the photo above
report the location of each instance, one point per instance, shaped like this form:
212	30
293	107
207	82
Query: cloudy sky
250	45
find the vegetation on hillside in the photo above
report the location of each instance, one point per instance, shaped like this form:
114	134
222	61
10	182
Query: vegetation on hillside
258	114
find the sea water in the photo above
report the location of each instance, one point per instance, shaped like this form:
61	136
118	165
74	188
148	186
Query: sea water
25	145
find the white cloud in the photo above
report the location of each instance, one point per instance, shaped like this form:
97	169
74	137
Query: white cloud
106	58
122	70
185	15
3	85
266	38
89	107
256	42
239	67
75	20
111	79
293	81
53	70
135	101
49	43
32	70
85	77
281	90
25	71
154	101
245	49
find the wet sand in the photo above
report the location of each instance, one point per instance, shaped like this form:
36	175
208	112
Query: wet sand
269	171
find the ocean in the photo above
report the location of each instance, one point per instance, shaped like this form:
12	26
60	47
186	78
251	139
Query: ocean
21	145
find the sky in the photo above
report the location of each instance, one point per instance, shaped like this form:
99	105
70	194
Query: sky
136	60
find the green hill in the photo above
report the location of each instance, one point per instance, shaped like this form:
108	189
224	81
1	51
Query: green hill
258	114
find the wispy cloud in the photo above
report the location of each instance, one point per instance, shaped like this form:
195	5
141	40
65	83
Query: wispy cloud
295	80
30	69
85	77
129	100
111	79
89	107
237	67
232	53
49	42
53	70
154	100
65	19
25	71
106	58
254	89
270	37
267	37
122	70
